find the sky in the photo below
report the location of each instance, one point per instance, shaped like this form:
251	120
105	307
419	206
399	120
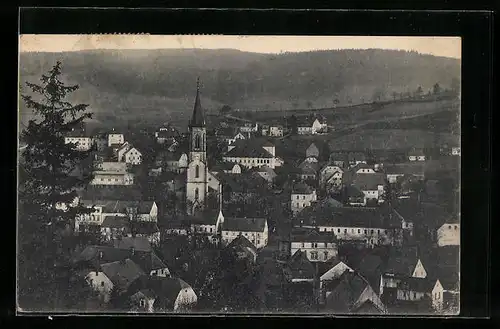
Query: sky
438	46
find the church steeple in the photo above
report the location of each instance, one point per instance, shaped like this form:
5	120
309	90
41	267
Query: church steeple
198	119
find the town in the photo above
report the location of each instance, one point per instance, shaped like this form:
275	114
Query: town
248	214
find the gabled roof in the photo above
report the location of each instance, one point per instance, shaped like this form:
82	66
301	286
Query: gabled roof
308	120
244	224
144	227
424	285
356	156
312	150
353	192
414	168
111	193
361	165
248	151
207	217
120	206
122	273
368	307
416	152
371	268
402	262
244	182
165	289
300	266
368	182
242	243
347	292
311	235
302	188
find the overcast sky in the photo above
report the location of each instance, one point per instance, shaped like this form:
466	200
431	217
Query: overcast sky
439	46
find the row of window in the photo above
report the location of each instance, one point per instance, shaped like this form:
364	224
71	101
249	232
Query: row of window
315	245
304	204
204	229
315	255
352	231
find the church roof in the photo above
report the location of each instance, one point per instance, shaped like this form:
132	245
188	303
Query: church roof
198	119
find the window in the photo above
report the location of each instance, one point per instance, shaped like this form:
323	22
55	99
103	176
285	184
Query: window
338	230
197	141
455	227
366	231
298	205
196	194
102	283
302	244
385	231
378	231
371	231
303	197
297	197
326	254
197	171
210	230
258	242
227	233
142	303
345	230
449	227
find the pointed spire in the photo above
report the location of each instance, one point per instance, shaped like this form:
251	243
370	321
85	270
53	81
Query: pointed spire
197	120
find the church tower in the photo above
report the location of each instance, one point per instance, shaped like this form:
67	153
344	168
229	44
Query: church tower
196	187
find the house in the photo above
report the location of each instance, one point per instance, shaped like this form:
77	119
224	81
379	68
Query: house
251	153
239	136
242	248
312	151
249	127
243	187
311	125
334	272
167	134
112	178
176	161
363	168
393	172
111	166
207	222
354	196
169	294
414	289
448	234
143	301
308	170
445	294
135	210
300	269
456	151
227	167
136	242
318	247
114	227
266	172
339	159
254	229
331	174
416	155
176	227
79	139
115	139
372	185
356	158
93	256
276	130
100	141
302	196
365	226
145	229
349	293
129	154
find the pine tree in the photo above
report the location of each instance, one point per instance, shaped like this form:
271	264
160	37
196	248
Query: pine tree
46	180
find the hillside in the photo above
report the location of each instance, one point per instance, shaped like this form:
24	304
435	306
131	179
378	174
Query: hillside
159	84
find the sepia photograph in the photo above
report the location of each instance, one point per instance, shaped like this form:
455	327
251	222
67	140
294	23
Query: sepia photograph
250	174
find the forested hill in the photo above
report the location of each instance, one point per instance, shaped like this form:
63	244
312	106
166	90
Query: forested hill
164	80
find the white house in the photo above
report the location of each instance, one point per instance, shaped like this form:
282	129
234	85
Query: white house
166	134
250	155
363	168
445	296
448	234
372	185
254	229
318	247
112	178
115	139
129	154
99	282
238	136
456	151
367	226
311	126
249	127
302	196
276	131
82	143
331	176
207	223
337	269
415	169
111	166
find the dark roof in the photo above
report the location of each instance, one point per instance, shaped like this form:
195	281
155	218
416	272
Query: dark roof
78	133
244	182
197	119
308	120
168	132
93	192
300	267
120	206
147	260
449	278
138	243
165	289
115	222
323	215
416	152
424	285
356	156
249	150
207	217
338	156
143	227
312	150
242	243
348	290
244	224
402	262
301	188
413	168
368	181
353	192
122	273
311	235
371	268
368	307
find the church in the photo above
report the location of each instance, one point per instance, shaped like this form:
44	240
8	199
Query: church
199	180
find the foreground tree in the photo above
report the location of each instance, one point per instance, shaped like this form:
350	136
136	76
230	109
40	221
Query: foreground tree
47	190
